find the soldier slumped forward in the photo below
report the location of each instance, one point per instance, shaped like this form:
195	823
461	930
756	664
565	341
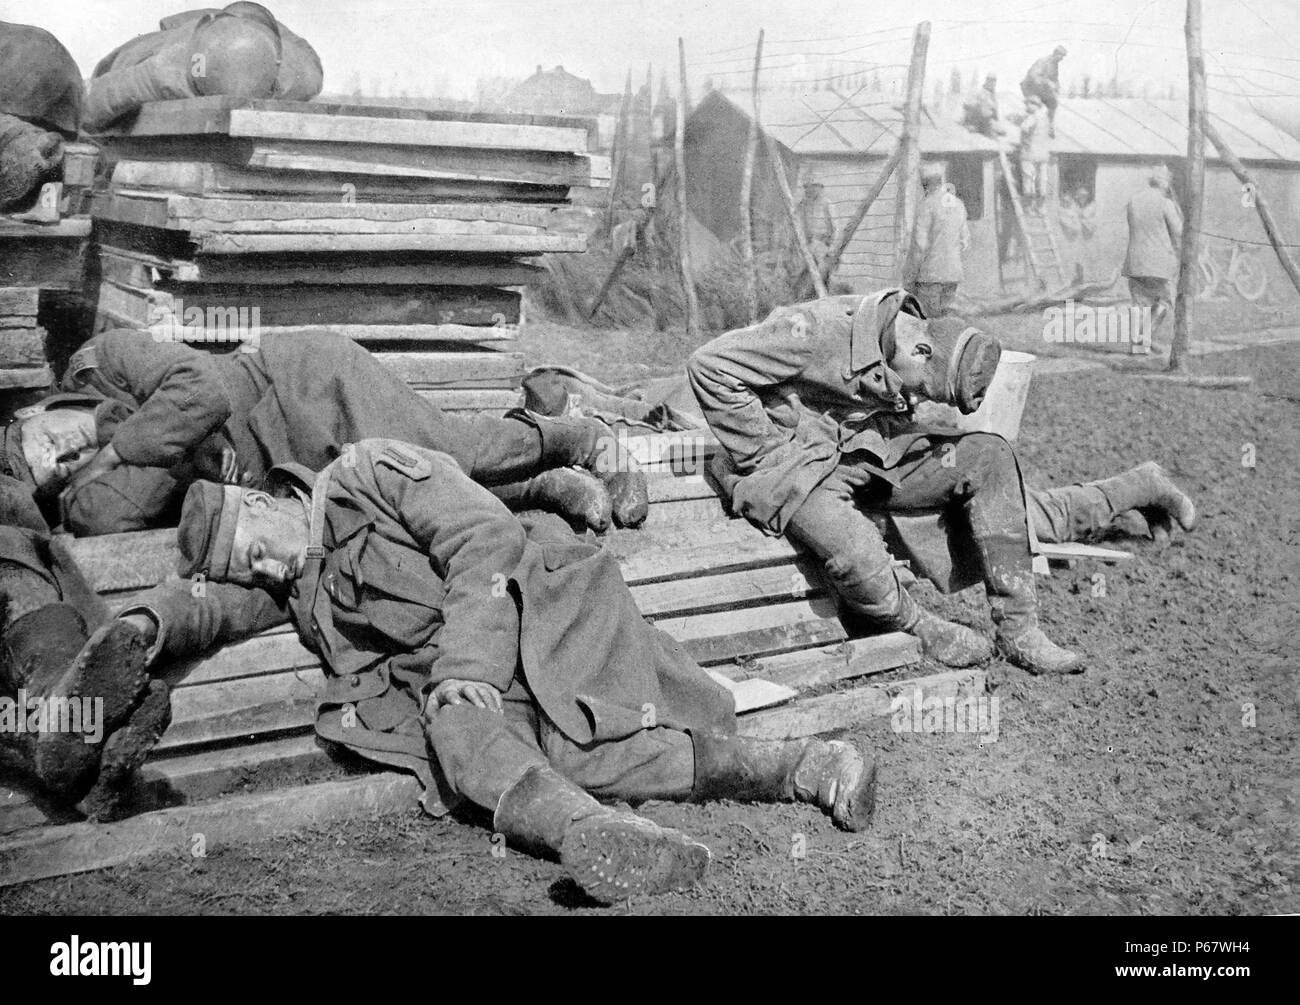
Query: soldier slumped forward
811	409
504	664
187	413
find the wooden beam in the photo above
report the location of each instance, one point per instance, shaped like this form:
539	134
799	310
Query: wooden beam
747	193
683	211
1193	197
909	162
1271	228
792	213
72	848
209	243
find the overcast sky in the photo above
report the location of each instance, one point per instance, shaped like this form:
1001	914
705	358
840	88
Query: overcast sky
421	46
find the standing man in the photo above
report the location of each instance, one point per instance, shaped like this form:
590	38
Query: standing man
1155	233
939	239
816	218
1044	81
813	410
1035	152
504	664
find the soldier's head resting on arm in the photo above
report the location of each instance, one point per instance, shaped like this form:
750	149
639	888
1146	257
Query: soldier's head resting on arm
49	442
244	536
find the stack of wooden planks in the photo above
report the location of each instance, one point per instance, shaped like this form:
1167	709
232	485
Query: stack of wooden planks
411	231
241	759
22	340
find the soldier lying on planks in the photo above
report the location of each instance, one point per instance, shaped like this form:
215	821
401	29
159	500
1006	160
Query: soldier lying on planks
465	646
57	647
813	409
183	413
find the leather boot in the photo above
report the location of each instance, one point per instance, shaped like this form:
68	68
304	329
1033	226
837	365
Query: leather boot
109	668
832	774
1147	489
590	444
613	854
1013	600
573	494
126	750
868	586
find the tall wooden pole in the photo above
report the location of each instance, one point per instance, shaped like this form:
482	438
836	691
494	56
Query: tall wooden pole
1271	229
683	213
1194	195
746	196
909	164
622	138
792	211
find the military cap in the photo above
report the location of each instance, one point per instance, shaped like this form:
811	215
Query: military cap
972	361
207	530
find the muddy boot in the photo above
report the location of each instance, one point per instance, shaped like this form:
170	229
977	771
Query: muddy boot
590	444
573	494
1013	599
832	774
1147	489
612	854
109	669
126	750
868	586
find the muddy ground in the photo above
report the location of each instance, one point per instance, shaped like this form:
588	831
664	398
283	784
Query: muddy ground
1162	780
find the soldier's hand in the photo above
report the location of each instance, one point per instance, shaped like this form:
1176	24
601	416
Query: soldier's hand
230	473
457	692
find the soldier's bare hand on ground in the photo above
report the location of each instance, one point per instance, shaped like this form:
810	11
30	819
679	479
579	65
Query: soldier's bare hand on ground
456	692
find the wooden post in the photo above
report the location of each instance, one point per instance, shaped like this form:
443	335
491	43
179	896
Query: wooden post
909	164
832	260
683	213
1261	204
792	211
1192	198
622	137
746	197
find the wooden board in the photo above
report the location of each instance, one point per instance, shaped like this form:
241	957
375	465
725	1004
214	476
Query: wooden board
1074	550
71	848
462	369
459	243
273	307
21	378
147	271
22	347
192	213
20	300
459	400
47	258
210	178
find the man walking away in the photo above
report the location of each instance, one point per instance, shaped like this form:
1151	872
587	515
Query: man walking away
1155	231
940	237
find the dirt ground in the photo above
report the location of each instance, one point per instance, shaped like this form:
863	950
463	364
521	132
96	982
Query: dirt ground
1162	780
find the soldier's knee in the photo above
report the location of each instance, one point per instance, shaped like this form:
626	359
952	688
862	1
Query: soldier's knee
989	451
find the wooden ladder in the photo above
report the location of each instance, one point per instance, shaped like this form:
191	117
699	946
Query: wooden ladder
1037	240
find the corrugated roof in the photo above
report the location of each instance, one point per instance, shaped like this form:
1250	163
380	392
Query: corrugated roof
838	122
1143	127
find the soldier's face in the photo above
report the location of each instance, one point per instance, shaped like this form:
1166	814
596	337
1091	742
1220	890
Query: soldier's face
58	443
916	359
270	543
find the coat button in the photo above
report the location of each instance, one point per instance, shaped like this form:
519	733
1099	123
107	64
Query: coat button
354	680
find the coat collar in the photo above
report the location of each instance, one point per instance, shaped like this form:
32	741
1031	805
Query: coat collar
873	325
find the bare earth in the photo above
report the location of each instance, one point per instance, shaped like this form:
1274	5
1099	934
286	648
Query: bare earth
1140	786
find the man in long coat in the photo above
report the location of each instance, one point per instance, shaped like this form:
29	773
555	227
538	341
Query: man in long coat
812	408
233	417
503	664
1155	233
939	238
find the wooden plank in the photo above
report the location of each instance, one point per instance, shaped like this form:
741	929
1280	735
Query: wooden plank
657	448
846	709
206	774
146	271
460	243
851	658
21	300
1074	550
674	512
431	369
125	561
212	178
20	378
181	212
800	578
668	486
69	229
72	848
20	347
284	307
258	124
753	694
10	321
47	264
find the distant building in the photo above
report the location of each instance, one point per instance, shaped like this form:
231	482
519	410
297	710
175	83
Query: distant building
558	92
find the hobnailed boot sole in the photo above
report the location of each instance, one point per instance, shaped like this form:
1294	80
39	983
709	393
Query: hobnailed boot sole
126	750
111	667
614	857
629	496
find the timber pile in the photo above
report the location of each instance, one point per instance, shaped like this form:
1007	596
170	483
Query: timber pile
22	340
408	230
241	760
